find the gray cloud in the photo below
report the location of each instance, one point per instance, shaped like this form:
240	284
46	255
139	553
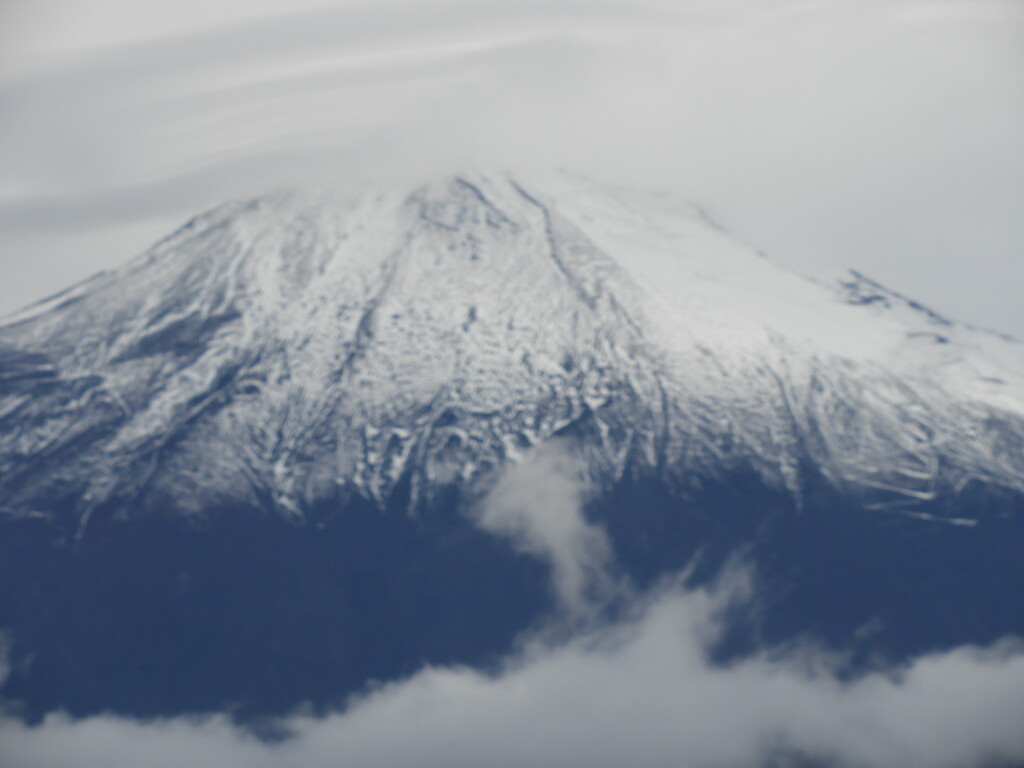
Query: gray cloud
879	136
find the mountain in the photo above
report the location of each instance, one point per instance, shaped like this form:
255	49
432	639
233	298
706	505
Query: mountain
238	469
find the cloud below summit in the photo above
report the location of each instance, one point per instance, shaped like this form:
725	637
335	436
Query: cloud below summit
640	693
636	691
538	505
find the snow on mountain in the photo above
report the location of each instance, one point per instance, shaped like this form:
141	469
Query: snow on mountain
281	351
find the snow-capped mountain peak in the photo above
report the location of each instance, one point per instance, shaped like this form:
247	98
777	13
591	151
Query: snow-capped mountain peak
280	351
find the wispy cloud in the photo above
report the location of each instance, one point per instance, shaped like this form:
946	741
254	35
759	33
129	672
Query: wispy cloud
538	504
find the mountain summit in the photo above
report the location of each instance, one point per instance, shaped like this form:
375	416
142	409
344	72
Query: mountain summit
239	471
283	351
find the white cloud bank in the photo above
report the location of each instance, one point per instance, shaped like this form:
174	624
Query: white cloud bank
639	694
636	693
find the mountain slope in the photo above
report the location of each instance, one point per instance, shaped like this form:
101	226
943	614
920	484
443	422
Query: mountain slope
271	352
245	471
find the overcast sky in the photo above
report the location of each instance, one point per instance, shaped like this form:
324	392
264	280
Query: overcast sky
883	136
